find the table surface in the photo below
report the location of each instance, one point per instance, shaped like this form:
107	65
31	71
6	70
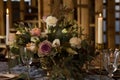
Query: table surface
40	75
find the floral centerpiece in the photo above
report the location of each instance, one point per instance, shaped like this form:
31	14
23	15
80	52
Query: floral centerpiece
57	45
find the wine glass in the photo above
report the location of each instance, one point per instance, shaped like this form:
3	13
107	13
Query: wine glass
110	60
26	58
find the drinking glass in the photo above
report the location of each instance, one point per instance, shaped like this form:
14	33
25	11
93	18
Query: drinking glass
26	58
110	60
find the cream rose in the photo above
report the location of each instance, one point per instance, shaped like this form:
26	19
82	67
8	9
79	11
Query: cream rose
75	42
51	21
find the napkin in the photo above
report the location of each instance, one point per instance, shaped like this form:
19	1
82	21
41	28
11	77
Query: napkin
7	76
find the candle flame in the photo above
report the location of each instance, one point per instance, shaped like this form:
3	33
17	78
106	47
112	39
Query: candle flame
7	11
100	15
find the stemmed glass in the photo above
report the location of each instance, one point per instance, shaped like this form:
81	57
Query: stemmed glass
26	58
110	60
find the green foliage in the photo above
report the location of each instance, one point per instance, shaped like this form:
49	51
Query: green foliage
64	61
64	65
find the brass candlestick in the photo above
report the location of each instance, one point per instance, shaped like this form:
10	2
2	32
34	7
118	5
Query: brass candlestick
9	57
100	48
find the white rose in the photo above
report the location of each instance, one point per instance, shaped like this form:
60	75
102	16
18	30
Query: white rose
34	39
75	42
51	21
56	43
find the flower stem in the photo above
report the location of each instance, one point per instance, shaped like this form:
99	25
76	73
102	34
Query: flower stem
53	61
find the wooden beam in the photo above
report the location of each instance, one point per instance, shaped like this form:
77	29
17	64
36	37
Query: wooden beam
39	12
2	26
85	18
111	23
22	9
78	17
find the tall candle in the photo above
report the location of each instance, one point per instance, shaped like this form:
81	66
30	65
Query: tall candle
7	26
100	29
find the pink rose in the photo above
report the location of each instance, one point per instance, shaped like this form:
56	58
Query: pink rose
35	32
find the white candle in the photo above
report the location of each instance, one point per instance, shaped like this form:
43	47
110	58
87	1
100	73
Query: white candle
100	29
7	26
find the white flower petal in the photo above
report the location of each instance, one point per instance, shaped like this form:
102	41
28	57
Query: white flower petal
51	21
56	43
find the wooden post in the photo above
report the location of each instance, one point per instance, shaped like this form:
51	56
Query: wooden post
78	16
111	23
85	17
33	3
22	10
92	21
39	12
2	28
46	7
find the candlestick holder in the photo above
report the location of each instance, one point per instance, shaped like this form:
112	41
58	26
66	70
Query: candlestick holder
9	58
99	48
